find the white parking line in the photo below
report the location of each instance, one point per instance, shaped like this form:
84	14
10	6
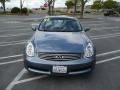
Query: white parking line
95	25
12	84
13	27
99	36
92	37
111	36
30	79
12	44
25	29
98	55
4	63
108	53
14	35
106	28
107	60
91	22
16	80
12	22
11	56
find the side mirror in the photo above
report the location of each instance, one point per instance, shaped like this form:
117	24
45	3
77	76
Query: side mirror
86	29
34	27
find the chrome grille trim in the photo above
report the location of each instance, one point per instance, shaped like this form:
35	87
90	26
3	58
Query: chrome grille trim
59	56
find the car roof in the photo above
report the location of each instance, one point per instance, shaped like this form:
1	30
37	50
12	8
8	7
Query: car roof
62	17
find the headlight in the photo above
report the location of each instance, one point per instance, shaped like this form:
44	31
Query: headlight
30	49
89	50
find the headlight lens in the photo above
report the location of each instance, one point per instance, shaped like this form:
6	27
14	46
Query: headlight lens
89	50
30	49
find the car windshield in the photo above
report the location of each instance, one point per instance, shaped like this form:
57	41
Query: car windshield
60	25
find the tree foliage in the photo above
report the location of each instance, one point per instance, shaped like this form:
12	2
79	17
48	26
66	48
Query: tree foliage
24	11
3	4
109	4
72	3
15	10
51	4
98	4
69	4
82	3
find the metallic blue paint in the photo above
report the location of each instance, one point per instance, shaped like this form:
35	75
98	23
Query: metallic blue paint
60	42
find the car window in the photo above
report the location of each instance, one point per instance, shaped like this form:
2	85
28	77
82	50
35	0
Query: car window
59	25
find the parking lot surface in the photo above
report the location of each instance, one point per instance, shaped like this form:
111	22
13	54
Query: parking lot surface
15	31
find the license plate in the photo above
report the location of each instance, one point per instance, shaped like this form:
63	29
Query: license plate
59	69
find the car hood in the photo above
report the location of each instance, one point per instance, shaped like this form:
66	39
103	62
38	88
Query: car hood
73	42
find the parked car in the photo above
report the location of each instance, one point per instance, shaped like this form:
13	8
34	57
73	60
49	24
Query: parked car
112	12
75	12
87	12
59	46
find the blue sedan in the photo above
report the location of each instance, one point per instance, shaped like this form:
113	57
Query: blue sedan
59	46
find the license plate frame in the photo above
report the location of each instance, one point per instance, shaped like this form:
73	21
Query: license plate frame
59	69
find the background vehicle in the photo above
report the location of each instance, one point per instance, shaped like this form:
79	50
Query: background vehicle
112	12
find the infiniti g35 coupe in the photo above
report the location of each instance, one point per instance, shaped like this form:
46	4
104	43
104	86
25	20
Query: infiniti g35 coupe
59	46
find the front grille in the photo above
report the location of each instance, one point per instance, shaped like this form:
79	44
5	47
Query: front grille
60	56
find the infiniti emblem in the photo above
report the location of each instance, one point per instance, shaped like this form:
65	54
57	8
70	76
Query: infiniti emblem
59	57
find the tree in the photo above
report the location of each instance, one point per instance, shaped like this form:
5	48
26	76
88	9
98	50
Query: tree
82	2
51	4
3	4
21	5
98	4
69	4
75	5
109	4
15	10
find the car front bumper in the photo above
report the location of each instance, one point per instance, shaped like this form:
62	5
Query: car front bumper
37	65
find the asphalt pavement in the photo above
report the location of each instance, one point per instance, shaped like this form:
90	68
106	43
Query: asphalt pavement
16	30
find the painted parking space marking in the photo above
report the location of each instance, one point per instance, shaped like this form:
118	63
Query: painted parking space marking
18	81
12	22
12	42
14	35
18	43
91	22
92	37
108	53
105	35
10	62
14	27
13	56
98	55
25	29
106	28
111	36
12	84
6	57
30	79
95	25
107	60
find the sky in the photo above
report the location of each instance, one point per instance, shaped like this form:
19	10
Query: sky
37	3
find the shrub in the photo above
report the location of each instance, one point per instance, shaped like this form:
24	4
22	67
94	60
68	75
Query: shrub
30	11
24	11
15	10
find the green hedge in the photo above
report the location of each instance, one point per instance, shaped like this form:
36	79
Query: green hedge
24	11
15	10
